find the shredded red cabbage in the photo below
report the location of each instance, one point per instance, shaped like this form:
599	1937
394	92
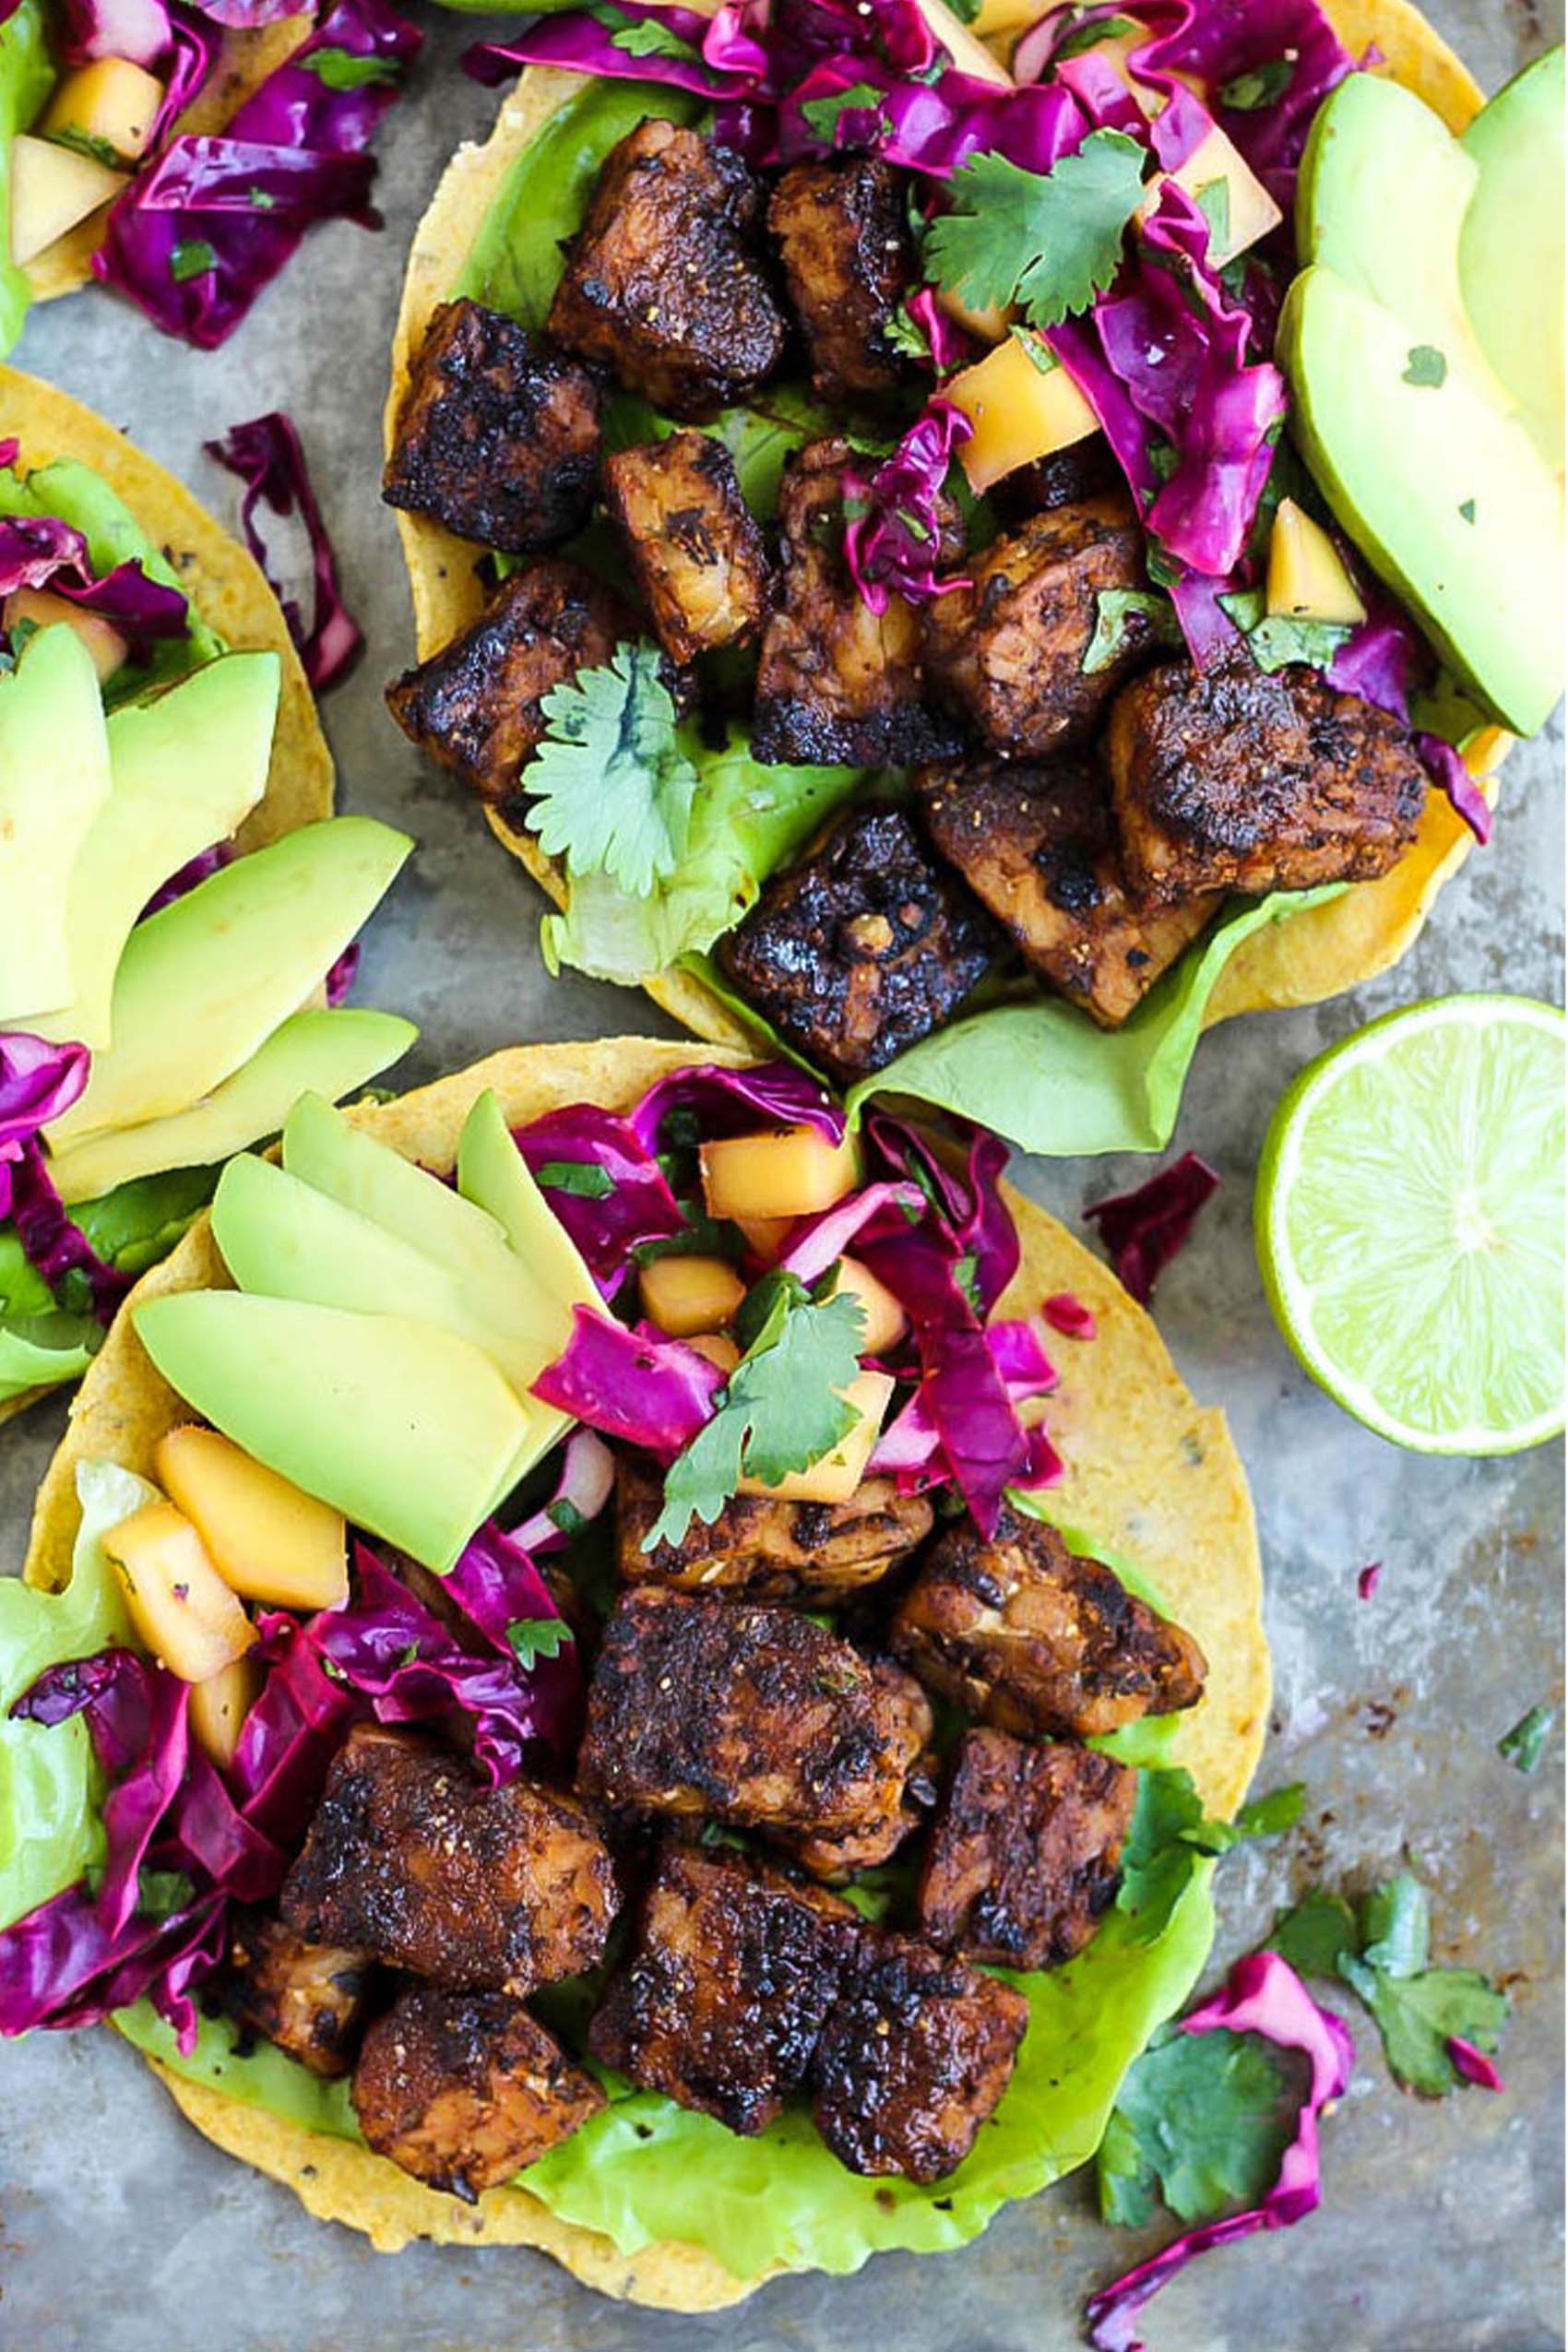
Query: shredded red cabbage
1263	1995
176	43
899	517
1384	662
1367	1580
734	1103
632	1202
38	551
54	1245
581	43
37	1082
60	1968
292	1733
173	243
585	1487
945	340
817	1242
1144	1229
266	456
1473	2064
968	1205
648	1391
196	870
1069	1315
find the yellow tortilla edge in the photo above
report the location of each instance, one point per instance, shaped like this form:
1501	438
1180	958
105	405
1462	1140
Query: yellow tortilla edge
1149	1473
224	583
1321	952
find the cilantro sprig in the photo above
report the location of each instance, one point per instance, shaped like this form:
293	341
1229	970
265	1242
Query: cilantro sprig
1048	241
1200	2126
612	782
532	1638
782	1409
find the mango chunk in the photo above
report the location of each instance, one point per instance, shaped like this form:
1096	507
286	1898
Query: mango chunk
718	1347
685	1295
766	1235
1238	218
267	1540
218	1706
52	188
1023	404
987	326
971	57
885	1322
1307	579
179	1604
110	104
835	1476
41	609
792	1172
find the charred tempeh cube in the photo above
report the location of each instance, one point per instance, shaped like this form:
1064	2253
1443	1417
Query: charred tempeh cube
411	1857
464	2089
837	683
752	1715
1025	1851
308	1998
1008	651
761	1549
660	283
913	2059
844	239
695	548
721	1997
499	433
1236	780
1036	843
1037	1640
477	705
836	1855
863	947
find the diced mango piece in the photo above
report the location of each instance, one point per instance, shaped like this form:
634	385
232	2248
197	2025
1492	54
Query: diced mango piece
766	1235
997	17
1022	405
178	1602
794	1171
718	1347
885	1322
43	608
110	104
835	1476
685	1295
52	188
987	326
218	1708
1307	579
1238	219
267	1540
971	57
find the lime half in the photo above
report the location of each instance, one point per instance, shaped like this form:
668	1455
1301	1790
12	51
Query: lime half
1410	1221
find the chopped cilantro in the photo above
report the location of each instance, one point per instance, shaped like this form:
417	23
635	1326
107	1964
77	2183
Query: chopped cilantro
583	1177
1051	241
532	1638
1524	1745
1090	34
906	336
965	1273
1037	350
821	114
192	258
1276	639
1262	1817
1260	87
566	1515
1316	1935
1116	609
1468	509
1425	366
91	143
1214	203
1200	2125
651	39
965	11
782	1409
340	69
612	781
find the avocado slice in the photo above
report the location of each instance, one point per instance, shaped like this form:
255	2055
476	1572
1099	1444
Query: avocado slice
1446	498
187	769
337	1052
282	1239
203	983
1382	199
1510	246
493	1174
407	1429
54	781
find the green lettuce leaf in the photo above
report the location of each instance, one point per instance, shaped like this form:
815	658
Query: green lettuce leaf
51	1787
27	76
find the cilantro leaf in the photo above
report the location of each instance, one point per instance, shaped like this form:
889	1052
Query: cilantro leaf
192	258
1201	2124
1116	609
780	1410
1263	1817
1425	366
1089	35
1214	203
585	1177
614	786
340	69
535	1637
1260	87
1050	239
1276	640
821	114
1417	2016
901	333
651	39
1317	1934
1524	1745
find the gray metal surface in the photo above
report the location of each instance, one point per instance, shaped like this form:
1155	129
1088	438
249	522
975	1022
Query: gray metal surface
120	2232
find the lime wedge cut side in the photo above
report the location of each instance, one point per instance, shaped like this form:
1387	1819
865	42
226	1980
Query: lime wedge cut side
1409	1224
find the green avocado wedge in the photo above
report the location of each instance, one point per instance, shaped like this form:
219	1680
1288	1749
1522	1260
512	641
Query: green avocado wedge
1512	262
55	780
187	769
